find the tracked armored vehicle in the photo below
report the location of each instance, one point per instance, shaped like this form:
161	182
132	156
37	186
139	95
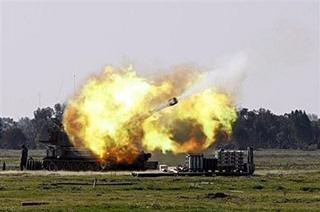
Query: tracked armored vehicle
62	155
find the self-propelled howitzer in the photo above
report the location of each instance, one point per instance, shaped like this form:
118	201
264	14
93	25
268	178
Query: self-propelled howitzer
62	155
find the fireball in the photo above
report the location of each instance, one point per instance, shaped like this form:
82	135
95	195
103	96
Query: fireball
116	114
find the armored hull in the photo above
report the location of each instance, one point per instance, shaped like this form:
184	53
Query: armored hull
68	158
62	155
71	159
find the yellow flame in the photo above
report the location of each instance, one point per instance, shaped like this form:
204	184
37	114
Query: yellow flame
113	115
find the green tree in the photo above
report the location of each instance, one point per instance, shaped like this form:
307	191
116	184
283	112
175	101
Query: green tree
303	128
13	138
28	127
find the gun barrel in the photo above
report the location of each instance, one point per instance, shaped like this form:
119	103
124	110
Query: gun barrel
171	102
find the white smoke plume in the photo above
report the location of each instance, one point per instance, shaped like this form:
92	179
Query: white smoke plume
228	74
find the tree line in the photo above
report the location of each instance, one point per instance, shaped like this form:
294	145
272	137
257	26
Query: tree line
13	134
263	129
257	128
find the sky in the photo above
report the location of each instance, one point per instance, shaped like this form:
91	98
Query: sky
268	52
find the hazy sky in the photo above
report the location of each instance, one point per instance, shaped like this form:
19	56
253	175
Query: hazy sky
43	44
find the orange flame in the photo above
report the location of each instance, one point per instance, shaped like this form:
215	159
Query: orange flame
113	115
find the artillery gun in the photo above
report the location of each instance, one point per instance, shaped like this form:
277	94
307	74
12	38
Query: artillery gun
62	155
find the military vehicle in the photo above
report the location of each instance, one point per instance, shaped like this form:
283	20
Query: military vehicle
224	162
62	155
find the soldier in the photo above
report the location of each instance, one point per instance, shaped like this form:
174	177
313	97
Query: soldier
24	157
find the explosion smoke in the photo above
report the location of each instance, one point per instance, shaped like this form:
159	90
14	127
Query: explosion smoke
111	115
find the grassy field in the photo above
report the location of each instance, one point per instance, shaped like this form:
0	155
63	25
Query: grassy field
285	180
